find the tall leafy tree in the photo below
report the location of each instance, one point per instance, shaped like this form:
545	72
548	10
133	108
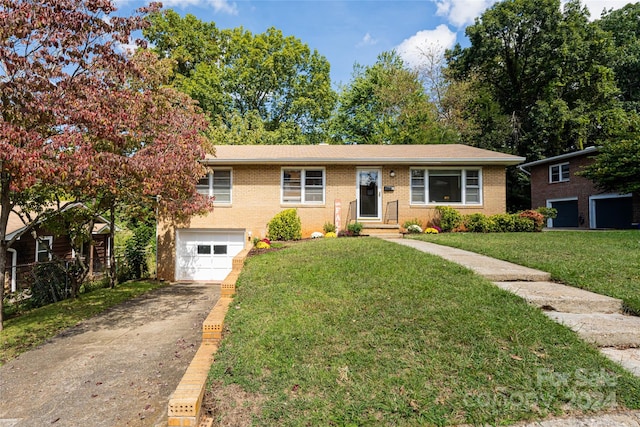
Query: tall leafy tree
548	71
238	77
78	122
544	71
623	26
386	104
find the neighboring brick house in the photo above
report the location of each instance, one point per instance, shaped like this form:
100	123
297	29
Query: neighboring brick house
379	185
554	183
26	252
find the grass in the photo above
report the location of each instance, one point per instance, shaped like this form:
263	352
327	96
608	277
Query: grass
367	332
605	262
33	327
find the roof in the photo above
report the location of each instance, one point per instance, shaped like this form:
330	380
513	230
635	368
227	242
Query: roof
561	157
429	154
16	226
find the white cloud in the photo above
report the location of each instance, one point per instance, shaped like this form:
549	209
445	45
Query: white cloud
461	13
367	40
597	6
435	41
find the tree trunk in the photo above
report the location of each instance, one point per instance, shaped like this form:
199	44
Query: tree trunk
113	278
5	209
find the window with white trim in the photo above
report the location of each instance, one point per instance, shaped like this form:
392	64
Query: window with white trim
216	183
303	186
44	245
559	173
446	186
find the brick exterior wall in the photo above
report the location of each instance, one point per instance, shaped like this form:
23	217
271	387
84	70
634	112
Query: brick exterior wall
256	199
577	187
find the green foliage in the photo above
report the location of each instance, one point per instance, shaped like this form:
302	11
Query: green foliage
386	104
355	228
547	213
50	283
256	88
285	225
448	218
523	224
329	227
616	168
414	221
135	253
503	223
477	223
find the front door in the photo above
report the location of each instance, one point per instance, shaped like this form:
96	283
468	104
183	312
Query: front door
368	193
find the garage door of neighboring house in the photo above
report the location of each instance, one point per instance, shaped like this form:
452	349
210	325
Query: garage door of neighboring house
567	213
206	255
614	211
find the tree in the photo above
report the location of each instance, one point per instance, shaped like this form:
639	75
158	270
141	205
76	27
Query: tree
386	104
77	121
238	77
616	168
544	72
545	68
622	25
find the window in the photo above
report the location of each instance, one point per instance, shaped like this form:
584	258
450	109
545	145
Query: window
204	249
216	184
303	186
446	186
559	173
43	247
219	249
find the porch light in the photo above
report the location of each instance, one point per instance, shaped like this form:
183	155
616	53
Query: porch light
392	173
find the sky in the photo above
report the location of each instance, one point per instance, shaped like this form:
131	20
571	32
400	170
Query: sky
352	31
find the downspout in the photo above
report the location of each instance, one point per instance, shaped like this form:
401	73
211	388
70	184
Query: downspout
14	265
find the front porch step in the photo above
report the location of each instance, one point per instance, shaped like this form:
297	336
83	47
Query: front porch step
629	358
387	231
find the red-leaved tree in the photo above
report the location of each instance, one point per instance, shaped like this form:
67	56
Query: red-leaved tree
83	120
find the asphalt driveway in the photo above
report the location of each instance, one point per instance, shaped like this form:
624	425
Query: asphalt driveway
116	369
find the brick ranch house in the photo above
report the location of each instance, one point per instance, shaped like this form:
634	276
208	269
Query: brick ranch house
555	184
378	185
26	252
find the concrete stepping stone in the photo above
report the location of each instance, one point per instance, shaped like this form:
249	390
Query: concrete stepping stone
603	330
629	358
556	297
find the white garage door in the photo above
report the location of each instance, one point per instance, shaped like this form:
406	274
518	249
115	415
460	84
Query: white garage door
205	254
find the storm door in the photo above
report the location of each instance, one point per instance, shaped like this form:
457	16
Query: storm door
368	193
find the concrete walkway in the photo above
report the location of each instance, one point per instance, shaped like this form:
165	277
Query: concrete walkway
596	318
116	369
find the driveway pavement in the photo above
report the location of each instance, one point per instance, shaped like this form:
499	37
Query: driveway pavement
116	369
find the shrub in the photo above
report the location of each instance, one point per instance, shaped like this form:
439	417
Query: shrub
523	224
329	227
414	221
548	213
285	226
477	223
330	235
536	217
414	229
449	218
503	223
50	284
317	235
431	230
355	228
135	253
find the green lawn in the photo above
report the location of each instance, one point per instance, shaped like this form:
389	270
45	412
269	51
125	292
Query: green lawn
366	332
605	262
31	328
